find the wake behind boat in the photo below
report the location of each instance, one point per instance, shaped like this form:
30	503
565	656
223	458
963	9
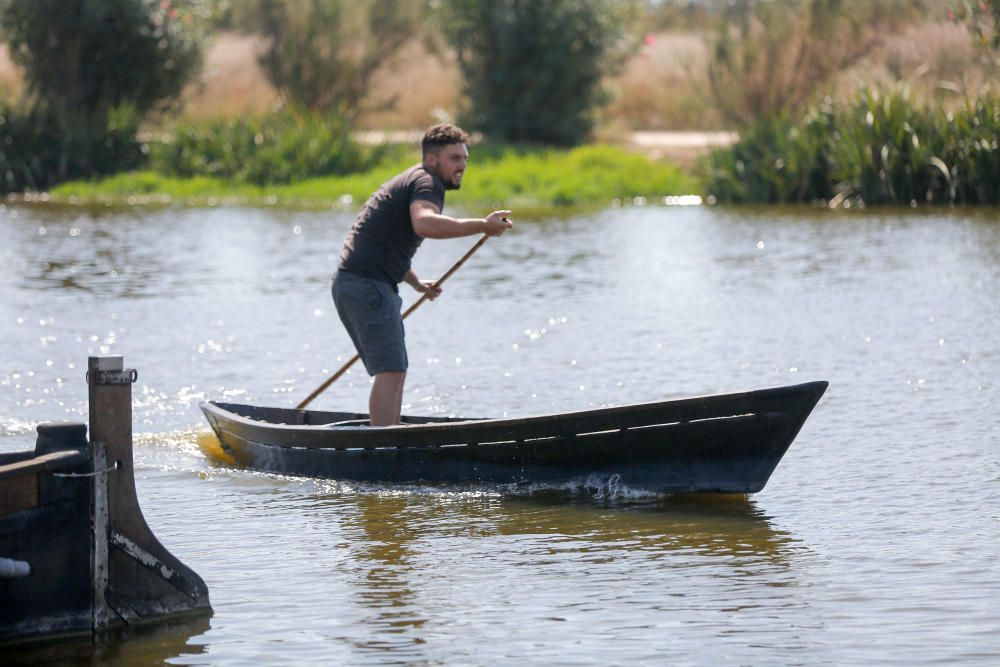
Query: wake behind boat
727	443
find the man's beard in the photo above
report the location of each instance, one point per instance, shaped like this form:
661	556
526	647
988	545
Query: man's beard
452	185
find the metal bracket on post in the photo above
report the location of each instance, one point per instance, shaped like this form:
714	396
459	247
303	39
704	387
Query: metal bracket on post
127	376
110	370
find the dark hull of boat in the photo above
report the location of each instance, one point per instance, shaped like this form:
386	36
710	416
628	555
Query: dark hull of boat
725	443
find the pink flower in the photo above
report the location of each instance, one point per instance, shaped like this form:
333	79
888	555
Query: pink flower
650	40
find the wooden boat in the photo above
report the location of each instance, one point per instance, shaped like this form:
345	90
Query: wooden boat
77	558
722	443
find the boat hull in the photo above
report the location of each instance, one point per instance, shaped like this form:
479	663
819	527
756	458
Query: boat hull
727	443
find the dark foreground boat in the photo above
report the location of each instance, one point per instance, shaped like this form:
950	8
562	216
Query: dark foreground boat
77	558
724	443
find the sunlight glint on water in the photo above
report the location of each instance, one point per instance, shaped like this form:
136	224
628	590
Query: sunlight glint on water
873	543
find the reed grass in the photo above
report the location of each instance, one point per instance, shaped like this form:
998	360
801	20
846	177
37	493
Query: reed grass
881	148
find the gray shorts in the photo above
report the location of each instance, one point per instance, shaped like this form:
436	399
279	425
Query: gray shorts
369	310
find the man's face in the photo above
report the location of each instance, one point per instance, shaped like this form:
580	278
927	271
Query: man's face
449	163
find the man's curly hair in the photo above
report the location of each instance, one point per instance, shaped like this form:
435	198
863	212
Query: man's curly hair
441	135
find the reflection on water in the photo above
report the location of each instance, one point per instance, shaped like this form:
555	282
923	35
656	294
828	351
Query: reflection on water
390	521
409	546
86	254
873	541
145	645
728	526
382	559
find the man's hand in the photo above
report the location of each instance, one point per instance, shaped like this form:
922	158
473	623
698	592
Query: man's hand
430	288
427	287
496	223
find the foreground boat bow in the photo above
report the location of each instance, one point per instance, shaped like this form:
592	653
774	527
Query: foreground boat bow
723	443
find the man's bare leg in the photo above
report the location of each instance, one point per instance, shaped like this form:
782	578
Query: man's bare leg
386	398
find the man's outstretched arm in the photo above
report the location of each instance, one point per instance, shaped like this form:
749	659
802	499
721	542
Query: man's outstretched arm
430	223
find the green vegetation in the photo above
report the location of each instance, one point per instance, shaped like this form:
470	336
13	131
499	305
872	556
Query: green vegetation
99	74
275	148
880	149
93	70
774	58
516	177
585	175
82	58
37	147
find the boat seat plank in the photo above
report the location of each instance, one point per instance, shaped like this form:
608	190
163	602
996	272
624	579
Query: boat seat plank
51	461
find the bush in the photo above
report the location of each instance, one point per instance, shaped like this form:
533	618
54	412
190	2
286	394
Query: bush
84	57
93	69
36	151
773	58
533	70
775	160
878	149
322	54
291	145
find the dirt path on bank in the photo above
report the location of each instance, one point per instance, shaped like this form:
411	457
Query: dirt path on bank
681	147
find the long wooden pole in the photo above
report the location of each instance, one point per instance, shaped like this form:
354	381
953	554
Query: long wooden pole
350	362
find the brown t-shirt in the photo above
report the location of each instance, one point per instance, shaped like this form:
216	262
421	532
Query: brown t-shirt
381	243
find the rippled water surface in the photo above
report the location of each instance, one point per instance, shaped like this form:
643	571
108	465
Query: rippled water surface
875	541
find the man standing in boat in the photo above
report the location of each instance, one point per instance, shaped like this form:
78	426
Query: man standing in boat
378	251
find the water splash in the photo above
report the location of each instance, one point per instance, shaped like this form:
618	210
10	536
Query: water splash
598	487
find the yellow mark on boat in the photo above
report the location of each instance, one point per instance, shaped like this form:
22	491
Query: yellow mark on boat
212	448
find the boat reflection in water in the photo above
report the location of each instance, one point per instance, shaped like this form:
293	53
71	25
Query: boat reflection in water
131	645
709	524
420	557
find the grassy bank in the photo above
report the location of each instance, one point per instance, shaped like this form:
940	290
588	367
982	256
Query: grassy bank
497	176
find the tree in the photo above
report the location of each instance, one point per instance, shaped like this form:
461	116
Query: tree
322	54
533	70
85	57
93	69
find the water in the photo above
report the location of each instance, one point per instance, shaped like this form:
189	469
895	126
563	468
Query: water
874	541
